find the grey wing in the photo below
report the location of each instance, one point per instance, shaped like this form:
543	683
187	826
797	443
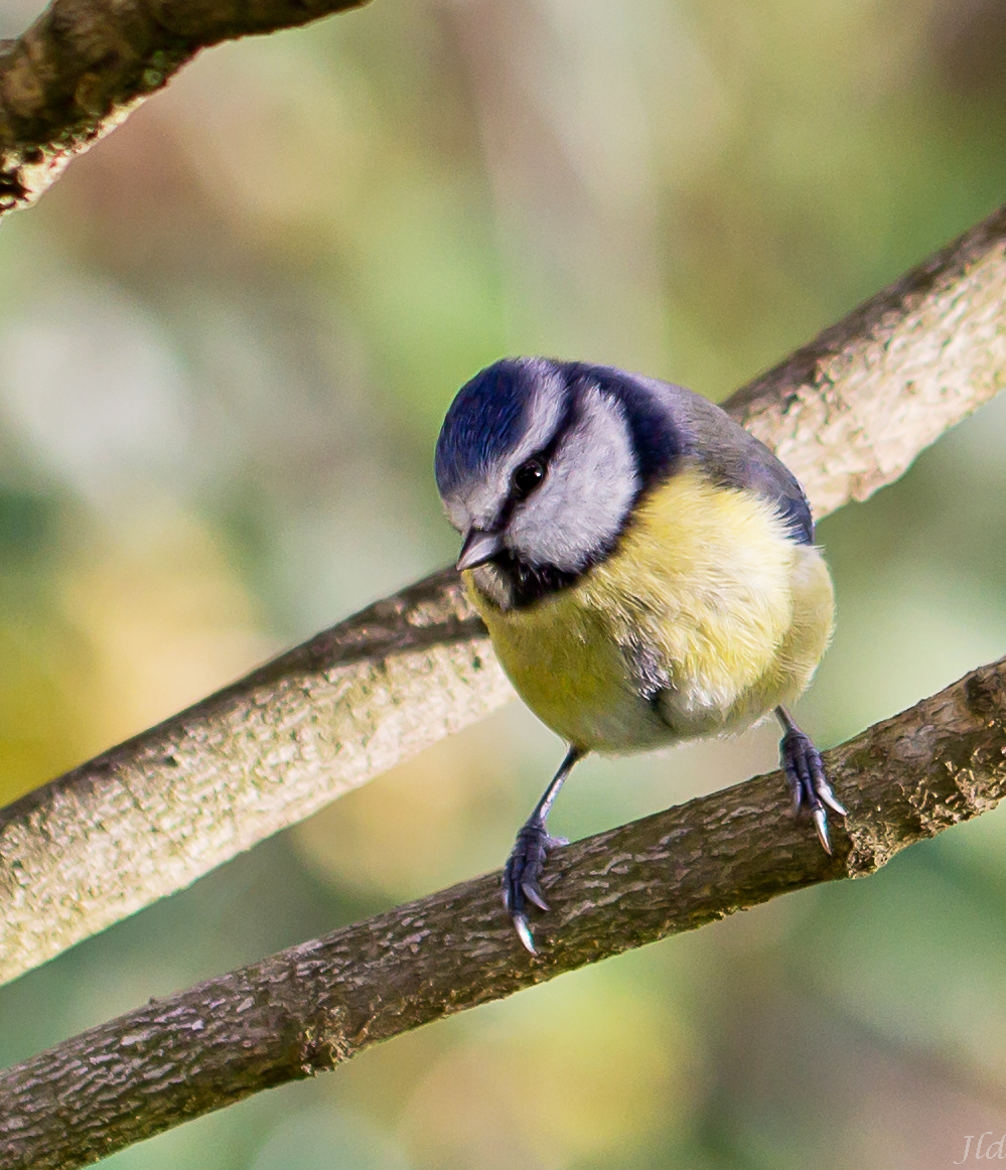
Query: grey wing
773	480
733	457
670	422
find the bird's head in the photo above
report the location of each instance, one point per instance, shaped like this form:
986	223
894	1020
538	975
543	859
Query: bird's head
538	467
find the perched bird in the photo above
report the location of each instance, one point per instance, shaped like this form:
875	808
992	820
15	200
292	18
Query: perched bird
645	567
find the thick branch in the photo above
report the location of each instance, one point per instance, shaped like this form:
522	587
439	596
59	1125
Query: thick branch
85	64
848	412
150	816
312	1007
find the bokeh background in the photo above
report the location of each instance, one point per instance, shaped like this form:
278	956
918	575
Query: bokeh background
228	337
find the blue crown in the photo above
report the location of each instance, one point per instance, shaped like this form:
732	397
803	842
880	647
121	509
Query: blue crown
485	420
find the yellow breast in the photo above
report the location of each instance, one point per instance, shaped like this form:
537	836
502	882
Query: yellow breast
706	590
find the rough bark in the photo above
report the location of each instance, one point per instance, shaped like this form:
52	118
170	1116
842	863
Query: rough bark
85	64
314	1006
848	413
152	814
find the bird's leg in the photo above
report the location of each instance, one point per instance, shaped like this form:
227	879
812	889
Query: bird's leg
805	775
527	860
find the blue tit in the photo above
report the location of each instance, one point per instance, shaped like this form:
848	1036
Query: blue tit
645	568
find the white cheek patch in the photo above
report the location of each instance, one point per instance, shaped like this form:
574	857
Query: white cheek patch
582	503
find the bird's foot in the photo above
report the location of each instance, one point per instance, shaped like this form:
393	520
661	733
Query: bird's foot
808	783
522	875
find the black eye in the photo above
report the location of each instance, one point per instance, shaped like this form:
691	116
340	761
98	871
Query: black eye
527	477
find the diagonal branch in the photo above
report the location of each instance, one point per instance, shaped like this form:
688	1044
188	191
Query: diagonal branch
314	1006
848	412
84	65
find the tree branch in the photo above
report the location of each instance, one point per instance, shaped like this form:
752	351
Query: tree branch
84	65
848	413
314	1006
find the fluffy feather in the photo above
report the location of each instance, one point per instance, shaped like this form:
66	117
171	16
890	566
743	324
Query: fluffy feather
707	616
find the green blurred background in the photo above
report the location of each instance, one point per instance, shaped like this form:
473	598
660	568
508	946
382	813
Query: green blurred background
229	334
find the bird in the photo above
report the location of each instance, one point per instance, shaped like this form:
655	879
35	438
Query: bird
646	570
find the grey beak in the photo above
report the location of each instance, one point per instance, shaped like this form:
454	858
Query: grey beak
479	547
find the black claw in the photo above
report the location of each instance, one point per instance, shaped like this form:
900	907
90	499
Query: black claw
522	874
808	782
533	894
523	928
526	863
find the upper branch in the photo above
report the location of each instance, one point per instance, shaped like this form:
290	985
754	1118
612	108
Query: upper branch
314	1006
848	413
85	64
